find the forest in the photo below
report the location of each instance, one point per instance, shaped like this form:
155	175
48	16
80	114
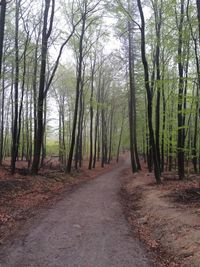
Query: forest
89	85
64	93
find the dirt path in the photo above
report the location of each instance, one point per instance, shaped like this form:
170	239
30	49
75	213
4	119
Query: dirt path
86	228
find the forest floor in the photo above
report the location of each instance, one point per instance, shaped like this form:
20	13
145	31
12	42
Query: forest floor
166	217
22	195
86	228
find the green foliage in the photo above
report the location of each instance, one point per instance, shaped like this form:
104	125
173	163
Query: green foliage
52	148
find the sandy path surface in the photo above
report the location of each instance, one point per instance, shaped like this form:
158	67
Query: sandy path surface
86	228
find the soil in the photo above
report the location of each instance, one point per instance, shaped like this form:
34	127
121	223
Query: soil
166	217
54	219
85	228
22	195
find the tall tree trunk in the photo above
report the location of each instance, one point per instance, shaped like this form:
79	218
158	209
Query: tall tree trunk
158	21
181	137
63	132
83	145
131	101
195	41
16	88
194	143
27	128
149	95
91	114
43	157
78	85
163	131
79	130
22	93
103	128
2	118
96	138
46	32
2	26
60	133
31	130
111	135
23	137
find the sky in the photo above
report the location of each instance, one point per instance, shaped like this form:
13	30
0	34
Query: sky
112	44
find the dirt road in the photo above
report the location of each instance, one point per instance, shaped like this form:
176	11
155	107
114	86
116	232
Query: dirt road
85	229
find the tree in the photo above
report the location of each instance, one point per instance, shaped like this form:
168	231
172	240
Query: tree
149	94
181	116
86	13
132	104
16	86
2	27
46	33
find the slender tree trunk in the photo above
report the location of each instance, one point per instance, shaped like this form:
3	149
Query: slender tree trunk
131	101
198	15
12	106
16	87
163	131
78	138
194	143
96	138
23	137
60	134
149	95
83	146
2	26
103	149
35	71
31	130
27	128
40	105
170	148
195	41
2	119
78	85
22	94
158	20
91	116
120	136
63	133
180	144
43	157
111	135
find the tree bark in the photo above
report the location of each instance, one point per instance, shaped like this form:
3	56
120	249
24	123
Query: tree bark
16	89
149	95
91	114
158	23
46	32
2	26
181	137
120	136
78	85
132	102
